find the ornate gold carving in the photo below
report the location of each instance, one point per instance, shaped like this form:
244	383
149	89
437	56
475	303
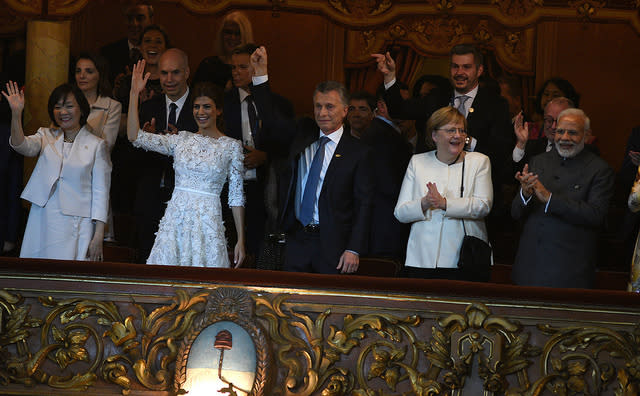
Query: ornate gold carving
517	8
482	34
442	32
361	8
586	9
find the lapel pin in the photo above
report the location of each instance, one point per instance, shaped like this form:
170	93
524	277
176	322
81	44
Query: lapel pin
338	155
470	109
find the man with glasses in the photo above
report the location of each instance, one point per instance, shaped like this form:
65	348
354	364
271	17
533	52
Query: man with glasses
563	200
525	148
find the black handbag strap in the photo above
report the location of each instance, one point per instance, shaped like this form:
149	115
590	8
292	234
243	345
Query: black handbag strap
461	191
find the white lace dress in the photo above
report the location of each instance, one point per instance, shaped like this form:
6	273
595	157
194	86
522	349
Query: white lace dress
191	233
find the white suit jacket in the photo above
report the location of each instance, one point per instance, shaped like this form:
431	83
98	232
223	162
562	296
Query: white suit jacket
84	178
104	119
436	235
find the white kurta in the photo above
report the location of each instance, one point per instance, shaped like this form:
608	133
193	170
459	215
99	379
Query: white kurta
436	235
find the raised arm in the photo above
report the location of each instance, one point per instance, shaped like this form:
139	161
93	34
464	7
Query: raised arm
138	82
15	97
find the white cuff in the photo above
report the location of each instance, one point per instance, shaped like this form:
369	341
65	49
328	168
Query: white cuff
257	80
518	154
546	207
389	84
524	201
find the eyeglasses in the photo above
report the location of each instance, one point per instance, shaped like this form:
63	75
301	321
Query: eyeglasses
451	131
570	132
548	121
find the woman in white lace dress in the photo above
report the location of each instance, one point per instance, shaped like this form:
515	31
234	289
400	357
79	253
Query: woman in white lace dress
191	233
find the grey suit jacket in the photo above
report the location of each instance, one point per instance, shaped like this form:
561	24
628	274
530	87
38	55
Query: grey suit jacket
558	248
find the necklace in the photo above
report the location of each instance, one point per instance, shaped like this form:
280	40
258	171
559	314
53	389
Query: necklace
454	161
69	140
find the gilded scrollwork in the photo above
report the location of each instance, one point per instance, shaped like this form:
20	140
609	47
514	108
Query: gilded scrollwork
361	8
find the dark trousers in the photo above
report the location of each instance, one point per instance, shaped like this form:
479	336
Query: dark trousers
255	217
304	253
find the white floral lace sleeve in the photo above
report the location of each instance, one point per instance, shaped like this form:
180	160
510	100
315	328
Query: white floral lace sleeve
163	144
236	170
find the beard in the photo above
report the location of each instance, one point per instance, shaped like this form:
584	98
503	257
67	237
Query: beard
575	149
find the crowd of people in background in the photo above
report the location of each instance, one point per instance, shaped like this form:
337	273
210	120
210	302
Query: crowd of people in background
396	174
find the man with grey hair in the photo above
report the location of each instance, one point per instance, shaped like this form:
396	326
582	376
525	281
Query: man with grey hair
563	201
526	148
326	188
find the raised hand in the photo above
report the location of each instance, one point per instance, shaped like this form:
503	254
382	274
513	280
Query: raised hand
386	65
259	61
521	130
15	97
138	77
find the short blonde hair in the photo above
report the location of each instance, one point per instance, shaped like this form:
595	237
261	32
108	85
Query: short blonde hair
444	116
246	32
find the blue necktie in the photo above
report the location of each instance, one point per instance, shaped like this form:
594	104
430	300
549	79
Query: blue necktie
309	196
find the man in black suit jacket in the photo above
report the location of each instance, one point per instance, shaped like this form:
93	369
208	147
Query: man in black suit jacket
155	171
489	127
563	201
327	225
262	151
387	237
125	52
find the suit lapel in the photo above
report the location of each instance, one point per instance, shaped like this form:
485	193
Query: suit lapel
338	157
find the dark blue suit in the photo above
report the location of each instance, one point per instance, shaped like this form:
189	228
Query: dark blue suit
344	204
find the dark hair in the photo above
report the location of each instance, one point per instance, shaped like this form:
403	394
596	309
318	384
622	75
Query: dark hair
211	91
563	85
464	49
143	3
157	28
489	84
366	96
441	83
248	49
328	86
61	92
102	67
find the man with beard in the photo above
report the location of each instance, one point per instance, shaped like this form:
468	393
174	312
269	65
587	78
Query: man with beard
563	202
525	148
489	127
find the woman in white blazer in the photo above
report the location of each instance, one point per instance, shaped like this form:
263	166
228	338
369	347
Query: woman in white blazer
69	186
92	79
430	199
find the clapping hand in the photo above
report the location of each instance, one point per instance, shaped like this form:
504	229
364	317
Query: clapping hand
15	97
386	65
433	199
259	61
138	77
527	181
253	157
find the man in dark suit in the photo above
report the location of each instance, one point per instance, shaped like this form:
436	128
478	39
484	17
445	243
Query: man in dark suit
170	112
387	237
563	200
488	122
124	52
262	151
327	185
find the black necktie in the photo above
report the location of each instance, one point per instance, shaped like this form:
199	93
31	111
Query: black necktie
134	55
172	114
253	118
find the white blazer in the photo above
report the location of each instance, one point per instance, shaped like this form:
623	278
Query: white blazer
436	235
84	178
104	119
